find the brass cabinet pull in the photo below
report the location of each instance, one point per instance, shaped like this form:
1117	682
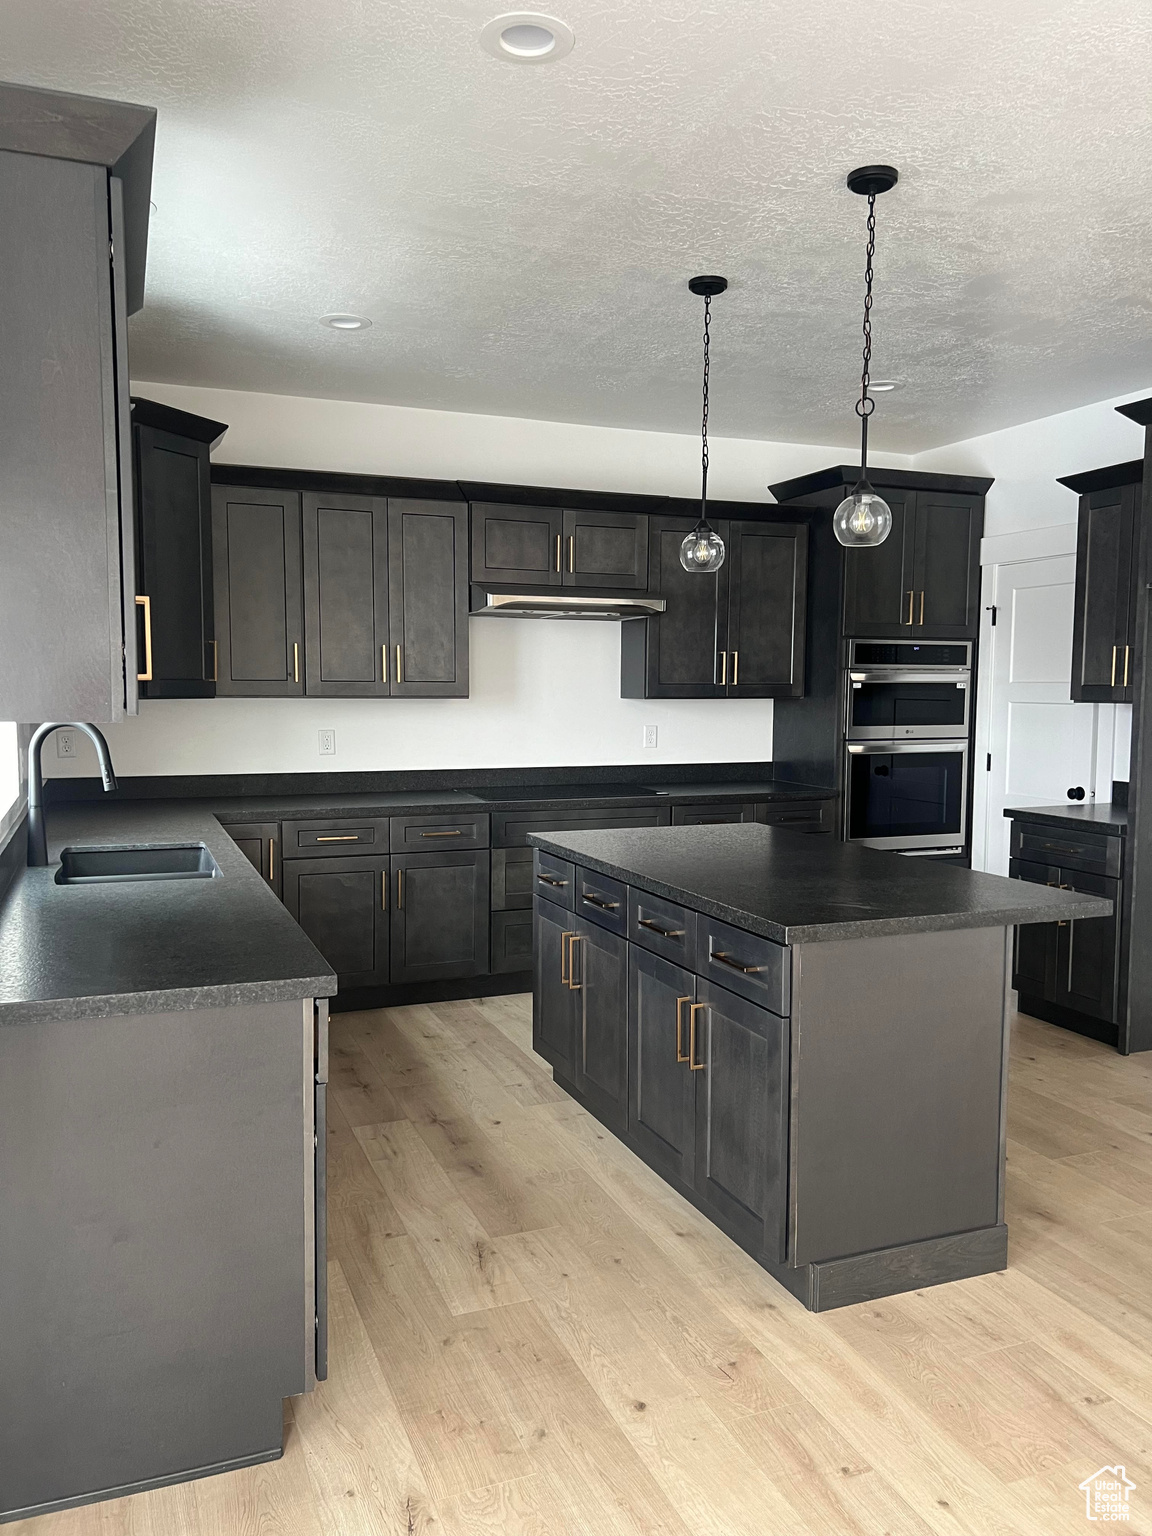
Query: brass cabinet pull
146	675
726	959
723	669
399	666
564	937
271	859
383	663
573	984
456	832
911	600
665	933
594	901
571	552
215	678
921	607
1115	648
295	661
399	890
693	1064
548	880
383	890
680	1052
343	837
735	668
558	543
1127	648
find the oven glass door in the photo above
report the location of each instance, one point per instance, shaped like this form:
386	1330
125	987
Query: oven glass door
908	796
886	706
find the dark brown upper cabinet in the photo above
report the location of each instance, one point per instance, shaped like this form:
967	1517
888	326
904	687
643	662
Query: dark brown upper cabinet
259	591
737	634
558	547
924	579
428	598
1103	635
177	643
346	595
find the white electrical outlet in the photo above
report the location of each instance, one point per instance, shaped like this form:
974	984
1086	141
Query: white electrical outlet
650	733
327	741
65	744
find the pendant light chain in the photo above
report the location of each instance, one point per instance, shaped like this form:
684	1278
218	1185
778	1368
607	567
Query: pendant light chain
866	405
704	416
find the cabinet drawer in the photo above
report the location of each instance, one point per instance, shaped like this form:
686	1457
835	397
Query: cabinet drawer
743	962
512	881
438	834
511	829
602	900
710	815
511	941
662	926
811	816
317	838
1094	854
555	879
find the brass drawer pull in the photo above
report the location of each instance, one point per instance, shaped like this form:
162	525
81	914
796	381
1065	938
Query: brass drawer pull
573	984
680	1053
693	1064
564	956
735	668
344	837
399	664
921	607
295	661
911	600
1115	648
726	959
458	832
558	542
1127	648
571	552
723	669
271	860
548	880
146	675
665	933
594	901
383	663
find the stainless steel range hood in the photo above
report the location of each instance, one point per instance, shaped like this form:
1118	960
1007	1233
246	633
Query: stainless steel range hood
551	603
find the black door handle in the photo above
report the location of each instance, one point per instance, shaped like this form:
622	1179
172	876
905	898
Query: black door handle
1077	793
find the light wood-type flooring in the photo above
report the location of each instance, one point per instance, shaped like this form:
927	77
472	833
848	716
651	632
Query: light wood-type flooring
531	1335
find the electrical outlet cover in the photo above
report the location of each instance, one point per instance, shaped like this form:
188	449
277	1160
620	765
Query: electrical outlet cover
327	740
650	734
65	744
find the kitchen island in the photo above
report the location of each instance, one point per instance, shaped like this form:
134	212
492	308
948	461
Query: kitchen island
806	1038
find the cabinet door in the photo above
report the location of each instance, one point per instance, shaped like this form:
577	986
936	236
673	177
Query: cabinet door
342	905
511	944
346	595
259	842
946	573
739	1059
439	915
517	546
605	549
767	609
878	583
1101	642
259	591
676	655
1034	946
599	973
553	1001
428	598
1088	953
174	563
662	1089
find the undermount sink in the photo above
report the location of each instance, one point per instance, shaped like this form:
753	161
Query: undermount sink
172	861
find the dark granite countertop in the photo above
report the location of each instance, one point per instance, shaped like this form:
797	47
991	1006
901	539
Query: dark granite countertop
152	945
795	889
1090	816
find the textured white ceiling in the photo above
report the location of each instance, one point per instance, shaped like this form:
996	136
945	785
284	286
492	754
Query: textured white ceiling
521	237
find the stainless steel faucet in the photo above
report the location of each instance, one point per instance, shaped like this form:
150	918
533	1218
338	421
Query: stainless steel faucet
37	830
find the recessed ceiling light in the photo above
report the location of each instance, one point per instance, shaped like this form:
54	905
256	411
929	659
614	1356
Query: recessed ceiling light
526	37
346	322
884	386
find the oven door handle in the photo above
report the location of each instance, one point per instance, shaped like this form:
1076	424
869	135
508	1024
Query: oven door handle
961	676
882	748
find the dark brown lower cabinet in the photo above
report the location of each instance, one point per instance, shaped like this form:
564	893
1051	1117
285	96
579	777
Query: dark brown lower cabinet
1065	970
440	909
259	842
598	967
662	1089
511	941
342	905
553	1001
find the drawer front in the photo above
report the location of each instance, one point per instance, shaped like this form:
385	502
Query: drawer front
511	829
512	879
710	815
316	839
662	926
602	900
511	941
437	834
1094	854
554	879
743	962
812	816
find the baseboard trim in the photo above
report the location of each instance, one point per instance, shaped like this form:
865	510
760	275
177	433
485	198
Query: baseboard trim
889	1271
1069	1018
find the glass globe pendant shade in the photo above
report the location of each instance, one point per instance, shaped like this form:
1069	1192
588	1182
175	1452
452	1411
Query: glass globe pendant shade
703	549
863	519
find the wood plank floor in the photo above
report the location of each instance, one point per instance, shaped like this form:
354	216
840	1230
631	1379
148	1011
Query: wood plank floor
531	1335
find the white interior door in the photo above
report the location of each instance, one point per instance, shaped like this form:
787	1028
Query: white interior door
1038	743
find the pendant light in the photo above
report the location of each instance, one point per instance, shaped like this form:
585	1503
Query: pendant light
703	549
864	519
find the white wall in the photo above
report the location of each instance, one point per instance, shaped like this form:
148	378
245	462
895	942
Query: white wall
541	692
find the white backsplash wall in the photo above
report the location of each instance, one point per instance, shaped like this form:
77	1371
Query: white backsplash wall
543	692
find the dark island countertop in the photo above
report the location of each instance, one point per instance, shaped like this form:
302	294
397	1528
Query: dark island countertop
150	945
1090	816
795	889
